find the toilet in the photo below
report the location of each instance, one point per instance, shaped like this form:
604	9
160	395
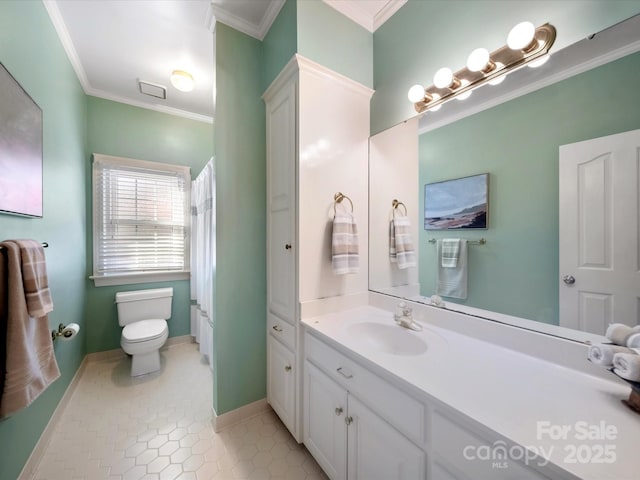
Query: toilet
144	314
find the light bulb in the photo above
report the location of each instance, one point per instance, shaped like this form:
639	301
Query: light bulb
434	99
416	93
538	62
498	80
182	80
464	96
443	78
478	59
521	36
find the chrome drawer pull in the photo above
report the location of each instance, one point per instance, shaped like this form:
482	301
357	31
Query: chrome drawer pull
287	368
345	375
277	328
339	411
348	420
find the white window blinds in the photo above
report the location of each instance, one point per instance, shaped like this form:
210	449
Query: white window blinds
141	216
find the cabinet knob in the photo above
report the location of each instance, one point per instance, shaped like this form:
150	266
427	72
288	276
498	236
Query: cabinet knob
568	279
287	246
339	411
348	420
287	368
277	328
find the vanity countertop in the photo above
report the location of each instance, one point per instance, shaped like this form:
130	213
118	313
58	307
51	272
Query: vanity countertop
513	394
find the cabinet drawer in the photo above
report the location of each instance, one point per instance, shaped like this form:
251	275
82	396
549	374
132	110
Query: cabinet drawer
402	411
283	331
458	444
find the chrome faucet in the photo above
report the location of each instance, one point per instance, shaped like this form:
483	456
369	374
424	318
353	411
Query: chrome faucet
404	317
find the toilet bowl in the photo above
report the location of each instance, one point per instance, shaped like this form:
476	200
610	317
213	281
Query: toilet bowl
144	314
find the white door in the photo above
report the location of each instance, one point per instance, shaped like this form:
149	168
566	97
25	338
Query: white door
325	429
599	264
281	381
281	198
377	451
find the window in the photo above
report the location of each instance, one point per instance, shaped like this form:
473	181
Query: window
140	221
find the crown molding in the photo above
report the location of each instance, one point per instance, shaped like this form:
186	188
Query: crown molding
249	28
362	16
148	106
309	66
58	23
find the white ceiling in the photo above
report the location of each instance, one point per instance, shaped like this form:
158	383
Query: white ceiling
114	43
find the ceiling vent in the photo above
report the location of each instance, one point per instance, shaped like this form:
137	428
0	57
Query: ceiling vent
152	89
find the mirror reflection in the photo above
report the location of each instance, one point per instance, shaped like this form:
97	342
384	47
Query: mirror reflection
517	272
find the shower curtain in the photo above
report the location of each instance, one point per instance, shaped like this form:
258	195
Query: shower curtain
203	237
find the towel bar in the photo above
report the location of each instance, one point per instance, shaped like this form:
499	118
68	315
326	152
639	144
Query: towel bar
338	197
397	203
44	245
482	241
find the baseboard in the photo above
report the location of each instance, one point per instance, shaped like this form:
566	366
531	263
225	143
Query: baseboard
119	353
238	415
29	470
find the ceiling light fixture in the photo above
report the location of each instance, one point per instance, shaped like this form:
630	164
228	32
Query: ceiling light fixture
182	80
525	45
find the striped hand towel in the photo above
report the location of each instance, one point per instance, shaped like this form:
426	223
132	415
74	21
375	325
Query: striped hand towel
450	252
400	245
34	278
452	281
344	244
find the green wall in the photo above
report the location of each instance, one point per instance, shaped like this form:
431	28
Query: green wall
334	41
240	293
31	51
280	43
426	35
126	131
517	142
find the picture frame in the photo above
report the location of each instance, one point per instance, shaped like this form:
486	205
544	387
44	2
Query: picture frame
459	203
21	154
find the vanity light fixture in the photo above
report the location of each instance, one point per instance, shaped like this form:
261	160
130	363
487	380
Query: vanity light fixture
526	45
182	80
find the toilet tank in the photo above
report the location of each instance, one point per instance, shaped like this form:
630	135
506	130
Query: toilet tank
144	305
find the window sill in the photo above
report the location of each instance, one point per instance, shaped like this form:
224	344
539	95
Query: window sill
132	278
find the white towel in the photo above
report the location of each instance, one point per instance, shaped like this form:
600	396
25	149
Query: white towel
401	249
344	244
602	354
450	252
633	341
452	281
619	333
627	365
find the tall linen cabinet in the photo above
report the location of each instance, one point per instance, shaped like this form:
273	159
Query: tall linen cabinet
317	126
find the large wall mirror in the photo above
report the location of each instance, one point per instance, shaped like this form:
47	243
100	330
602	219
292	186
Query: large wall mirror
587	90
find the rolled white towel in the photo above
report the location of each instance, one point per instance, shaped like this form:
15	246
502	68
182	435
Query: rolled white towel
619	333
627	365
602	354
634	340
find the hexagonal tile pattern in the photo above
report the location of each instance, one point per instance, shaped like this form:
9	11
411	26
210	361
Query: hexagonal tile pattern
147	428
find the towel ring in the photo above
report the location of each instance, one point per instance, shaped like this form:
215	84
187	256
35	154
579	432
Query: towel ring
397	203
338	197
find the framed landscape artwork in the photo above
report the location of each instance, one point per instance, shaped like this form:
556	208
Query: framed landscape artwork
457	204
20	150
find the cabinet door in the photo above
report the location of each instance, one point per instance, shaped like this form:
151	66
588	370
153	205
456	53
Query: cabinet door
377	451
281	381
325	430
281	201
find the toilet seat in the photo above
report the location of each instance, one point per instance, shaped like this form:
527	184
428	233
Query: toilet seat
144	330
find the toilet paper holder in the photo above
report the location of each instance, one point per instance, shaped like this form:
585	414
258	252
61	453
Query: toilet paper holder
67	332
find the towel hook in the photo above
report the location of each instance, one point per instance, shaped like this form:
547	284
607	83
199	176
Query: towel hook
338	197
395	203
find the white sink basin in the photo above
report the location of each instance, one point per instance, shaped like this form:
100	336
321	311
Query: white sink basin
391	339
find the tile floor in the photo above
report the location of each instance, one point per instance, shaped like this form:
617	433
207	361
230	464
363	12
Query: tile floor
158	427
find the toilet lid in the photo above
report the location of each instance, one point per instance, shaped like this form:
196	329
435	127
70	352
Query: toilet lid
144	330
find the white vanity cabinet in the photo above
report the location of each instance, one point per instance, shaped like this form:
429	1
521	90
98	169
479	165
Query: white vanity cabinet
360	425
347	438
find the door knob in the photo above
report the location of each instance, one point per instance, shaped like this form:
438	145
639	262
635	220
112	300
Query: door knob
568	279
287	246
